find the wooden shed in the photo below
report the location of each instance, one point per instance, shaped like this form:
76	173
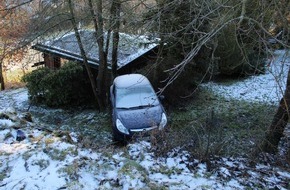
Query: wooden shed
133	52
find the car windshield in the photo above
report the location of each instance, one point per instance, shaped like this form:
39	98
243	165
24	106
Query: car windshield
136	96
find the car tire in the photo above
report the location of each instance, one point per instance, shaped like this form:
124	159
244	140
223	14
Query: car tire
119	138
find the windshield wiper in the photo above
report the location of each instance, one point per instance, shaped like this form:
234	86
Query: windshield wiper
123	108
137	107
143	106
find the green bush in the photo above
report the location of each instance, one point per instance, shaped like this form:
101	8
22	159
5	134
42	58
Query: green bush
237	55
34	83
67	86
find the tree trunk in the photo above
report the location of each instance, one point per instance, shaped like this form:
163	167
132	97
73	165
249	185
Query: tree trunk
157	66
280	120
102	70
157	73
2	83
85	60
115	12
115	54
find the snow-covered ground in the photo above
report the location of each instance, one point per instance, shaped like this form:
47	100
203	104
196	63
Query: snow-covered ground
49	160
267	88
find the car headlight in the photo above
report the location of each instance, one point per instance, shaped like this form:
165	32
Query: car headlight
121	127
163	121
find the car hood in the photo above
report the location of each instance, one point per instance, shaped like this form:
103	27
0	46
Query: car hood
140	118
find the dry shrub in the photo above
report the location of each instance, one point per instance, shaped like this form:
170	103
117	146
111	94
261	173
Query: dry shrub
14	85
202	140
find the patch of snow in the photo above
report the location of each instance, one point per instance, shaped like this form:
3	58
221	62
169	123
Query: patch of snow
61	145
13	98
118	156
74	137
266	88
224	172
6	123
15	148
234	184
147	163
285	174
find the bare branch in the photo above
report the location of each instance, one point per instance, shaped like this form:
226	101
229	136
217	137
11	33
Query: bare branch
12	6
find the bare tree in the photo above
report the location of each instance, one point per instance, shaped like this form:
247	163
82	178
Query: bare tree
188	28
98	21
2	82
14	26
103	38
191	29
115	25
276	130
83	53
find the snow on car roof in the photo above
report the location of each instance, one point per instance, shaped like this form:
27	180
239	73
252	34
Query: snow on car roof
128	80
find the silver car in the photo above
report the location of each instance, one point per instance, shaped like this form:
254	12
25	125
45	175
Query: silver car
135	107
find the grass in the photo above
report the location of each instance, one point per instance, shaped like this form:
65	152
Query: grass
71	170
26	155
129	167
154	186
210	125
42	163
13	78
92	128
56	154
5	170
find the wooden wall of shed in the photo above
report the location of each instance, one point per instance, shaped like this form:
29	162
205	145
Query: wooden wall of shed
139	64
51	61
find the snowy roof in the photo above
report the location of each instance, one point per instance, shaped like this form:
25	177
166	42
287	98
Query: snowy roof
130	47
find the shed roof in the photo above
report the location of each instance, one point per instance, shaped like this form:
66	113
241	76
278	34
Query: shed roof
130	47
